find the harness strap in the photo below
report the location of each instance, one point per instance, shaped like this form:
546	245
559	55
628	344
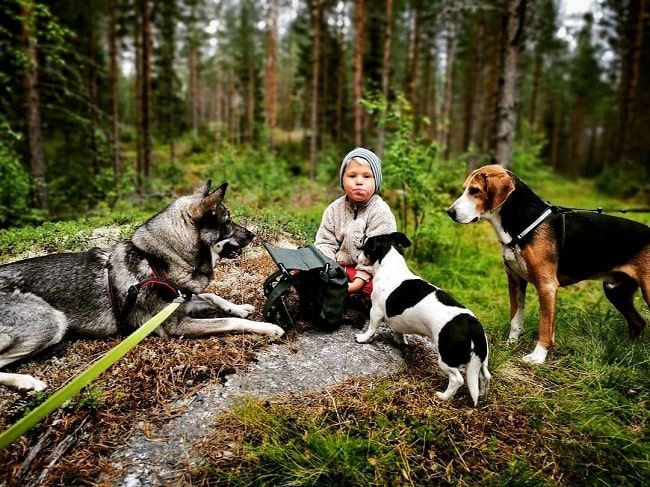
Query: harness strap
122	312
515	241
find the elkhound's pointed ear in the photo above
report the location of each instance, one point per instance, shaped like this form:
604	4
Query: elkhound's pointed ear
210	201
204	190
400	239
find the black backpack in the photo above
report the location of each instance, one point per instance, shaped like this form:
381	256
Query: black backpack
320	283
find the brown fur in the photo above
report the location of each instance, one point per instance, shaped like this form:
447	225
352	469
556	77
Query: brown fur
536	258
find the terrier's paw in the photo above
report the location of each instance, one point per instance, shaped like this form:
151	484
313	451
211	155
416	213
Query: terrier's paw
363	337
442	396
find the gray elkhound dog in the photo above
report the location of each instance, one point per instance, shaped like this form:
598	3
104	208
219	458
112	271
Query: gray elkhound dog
102	291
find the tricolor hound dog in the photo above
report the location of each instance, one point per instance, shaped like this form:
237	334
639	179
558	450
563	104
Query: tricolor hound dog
550	247
409	304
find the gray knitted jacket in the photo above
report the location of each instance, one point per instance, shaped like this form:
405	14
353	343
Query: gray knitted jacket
345	226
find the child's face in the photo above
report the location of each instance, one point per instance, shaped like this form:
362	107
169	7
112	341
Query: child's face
358	181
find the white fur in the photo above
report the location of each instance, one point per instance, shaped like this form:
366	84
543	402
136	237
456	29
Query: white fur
426	318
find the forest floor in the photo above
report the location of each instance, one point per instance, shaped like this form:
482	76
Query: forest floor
138	423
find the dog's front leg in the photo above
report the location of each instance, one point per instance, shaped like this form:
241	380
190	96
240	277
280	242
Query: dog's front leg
517	293
200	327
376	316
547	292
214	301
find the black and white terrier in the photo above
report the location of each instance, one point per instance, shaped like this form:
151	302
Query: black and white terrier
409	304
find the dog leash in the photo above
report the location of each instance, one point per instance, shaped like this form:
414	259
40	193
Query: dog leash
621	210
83	379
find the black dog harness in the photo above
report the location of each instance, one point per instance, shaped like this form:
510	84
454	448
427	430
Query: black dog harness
158	278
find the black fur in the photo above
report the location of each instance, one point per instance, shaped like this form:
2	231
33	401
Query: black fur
456	337
406	295
611	240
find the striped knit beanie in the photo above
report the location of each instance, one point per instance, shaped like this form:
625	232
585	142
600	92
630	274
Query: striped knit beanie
371	157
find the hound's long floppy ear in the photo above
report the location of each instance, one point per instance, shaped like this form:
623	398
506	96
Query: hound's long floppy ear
498	186
210	201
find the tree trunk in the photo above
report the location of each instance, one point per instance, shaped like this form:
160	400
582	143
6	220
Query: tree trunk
508	101
146	88
139	138
385	74
271	69
630	78
33	109
93	108
445	117
314	93
341	72
537	76
358	72
194	90
475	91
114	80
556	131
414	72
575	138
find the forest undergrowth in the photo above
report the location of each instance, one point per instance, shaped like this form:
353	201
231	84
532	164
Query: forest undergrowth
582	418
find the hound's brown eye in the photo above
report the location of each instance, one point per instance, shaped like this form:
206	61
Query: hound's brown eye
473	191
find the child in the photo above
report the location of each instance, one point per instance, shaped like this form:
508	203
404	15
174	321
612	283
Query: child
353	217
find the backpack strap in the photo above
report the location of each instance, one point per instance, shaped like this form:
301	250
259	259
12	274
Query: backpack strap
274	303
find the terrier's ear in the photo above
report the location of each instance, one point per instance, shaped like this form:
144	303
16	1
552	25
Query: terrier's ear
400	239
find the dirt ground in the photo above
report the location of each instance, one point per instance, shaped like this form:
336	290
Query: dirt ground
136	424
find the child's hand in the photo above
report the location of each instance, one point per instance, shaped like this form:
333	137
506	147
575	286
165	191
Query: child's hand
356	285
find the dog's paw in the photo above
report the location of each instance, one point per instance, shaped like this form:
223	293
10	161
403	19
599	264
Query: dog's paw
442	396
513	336
274	331
28	383
362	337
244	310
538	356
